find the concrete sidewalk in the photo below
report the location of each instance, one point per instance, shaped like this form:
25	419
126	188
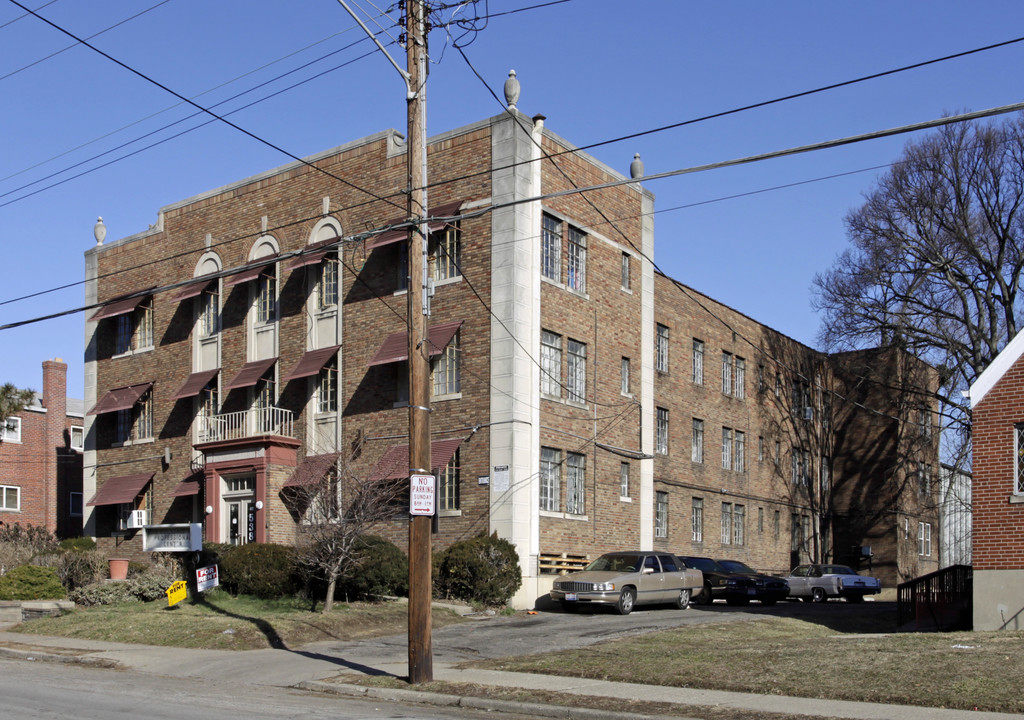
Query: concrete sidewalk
315	667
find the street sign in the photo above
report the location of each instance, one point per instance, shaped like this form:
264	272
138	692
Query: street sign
421	495
176	592
207	578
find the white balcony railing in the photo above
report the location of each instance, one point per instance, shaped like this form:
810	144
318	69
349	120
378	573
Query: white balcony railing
247	423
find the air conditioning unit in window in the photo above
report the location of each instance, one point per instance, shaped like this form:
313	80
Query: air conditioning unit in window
136	519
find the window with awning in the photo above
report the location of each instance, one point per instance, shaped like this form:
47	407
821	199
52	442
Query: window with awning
394	236
311	363
312	470
314	253
249	272
394	463
250	373
395	347
195	383
190	486
124	489
192	289
120	399
120	307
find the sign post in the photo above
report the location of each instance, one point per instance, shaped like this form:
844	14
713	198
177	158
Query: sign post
177	592
207	578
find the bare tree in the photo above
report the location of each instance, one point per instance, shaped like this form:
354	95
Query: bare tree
336	509
935	263
12	402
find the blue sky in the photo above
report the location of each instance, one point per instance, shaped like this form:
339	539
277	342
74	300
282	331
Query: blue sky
597	69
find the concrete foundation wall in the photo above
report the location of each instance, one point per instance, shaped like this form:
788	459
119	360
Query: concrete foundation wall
998	599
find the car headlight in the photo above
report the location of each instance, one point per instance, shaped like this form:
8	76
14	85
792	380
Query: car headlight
604	587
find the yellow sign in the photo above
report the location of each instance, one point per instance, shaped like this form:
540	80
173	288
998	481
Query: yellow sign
177	592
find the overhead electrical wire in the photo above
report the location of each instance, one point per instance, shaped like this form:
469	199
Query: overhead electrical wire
196	105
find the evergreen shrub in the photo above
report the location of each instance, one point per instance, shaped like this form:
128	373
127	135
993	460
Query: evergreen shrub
265	570
31	582
380	569
483	570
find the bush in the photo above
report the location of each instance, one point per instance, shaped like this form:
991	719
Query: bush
31	582
78	568
265	570
79	543
20	543
380	569
145	587
483	569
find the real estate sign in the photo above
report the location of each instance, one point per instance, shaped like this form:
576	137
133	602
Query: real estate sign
207	578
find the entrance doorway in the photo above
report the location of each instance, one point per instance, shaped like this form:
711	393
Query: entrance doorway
238	509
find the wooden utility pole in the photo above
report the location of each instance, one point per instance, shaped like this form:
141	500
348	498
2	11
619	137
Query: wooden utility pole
421	664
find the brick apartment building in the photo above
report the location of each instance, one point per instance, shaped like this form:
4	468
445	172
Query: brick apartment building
997	437
255	336
41	459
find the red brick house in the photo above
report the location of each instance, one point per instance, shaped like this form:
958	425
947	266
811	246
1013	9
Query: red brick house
997	436
41	459
581	401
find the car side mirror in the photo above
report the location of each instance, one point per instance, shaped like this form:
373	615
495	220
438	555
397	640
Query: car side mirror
648	571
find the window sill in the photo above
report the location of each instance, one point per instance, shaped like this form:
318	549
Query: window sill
10	510
449	513
628	291
448	281
1017	499
563	516
623	498
445	398
129	443
130	353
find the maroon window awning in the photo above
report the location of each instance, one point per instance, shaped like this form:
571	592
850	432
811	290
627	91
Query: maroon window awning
311	363
122	489
195	383
395	347
313	254
394	463
312	470
249	272
118	307
189	486
195	288
250	373
393	236
120	399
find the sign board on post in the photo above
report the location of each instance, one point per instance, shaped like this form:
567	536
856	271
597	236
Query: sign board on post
176	592
421	495
183	537
207	578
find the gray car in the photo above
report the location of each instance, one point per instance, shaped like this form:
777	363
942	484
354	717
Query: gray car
627	579
818	583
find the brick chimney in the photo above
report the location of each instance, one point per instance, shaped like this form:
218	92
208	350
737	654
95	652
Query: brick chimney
55	400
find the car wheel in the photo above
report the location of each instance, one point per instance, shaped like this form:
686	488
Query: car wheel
627	599
818	595
855	598
683	601
704	597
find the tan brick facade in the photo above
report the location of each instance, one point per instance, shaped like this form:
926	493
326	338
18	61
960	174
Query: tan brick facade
564	284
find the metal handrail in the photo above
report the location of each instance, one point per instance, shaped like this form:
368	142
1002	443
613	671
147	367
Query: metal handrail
246	423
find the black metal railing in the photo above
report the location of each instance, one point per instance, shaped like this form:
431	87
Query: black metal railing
940	601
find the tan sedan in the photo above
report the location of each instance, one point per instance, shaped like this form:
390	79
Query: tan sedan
627	579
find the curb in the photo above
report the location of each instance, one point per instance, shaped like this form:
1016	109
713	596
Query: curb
468	701
32	656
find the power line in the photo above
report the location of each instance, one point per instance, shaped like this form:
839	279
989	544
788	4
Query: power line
196	105
201	94
90	37
674	173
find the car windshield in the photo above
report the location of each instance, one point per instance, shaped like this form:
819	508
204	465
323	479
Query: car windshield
617	563
737	567
702	564
837	570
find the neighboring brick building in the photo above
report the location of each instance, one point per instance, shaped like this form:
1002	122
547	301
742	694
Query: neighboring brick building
563	401
997	492
41	459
